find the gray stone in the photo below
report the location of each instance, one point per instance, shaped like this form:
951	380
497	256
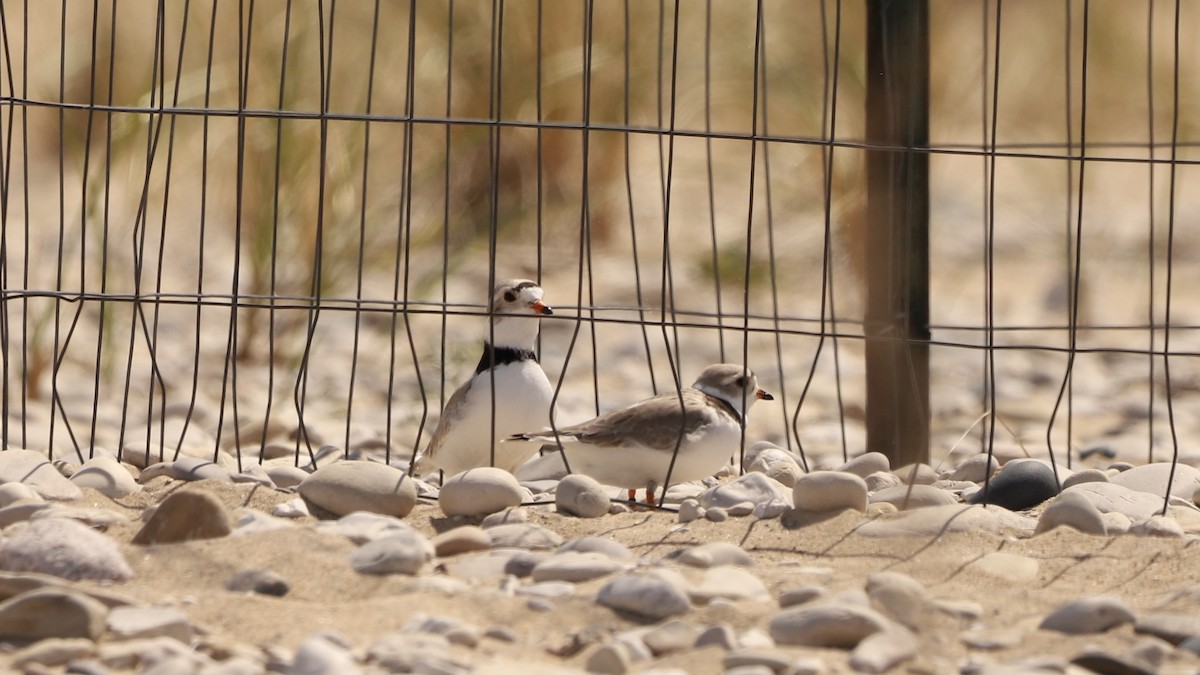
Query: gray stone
506	517
479	492
583	496
881	480
1152	478
609	659
319	655
524	535
361	527
186	515
917	474
1074	510
1021	484
775	662
197	468
882	651
575	567
347	486
398	553
609	547
64	548
823	491
107	476
1175	628
130	622
721	636
827	625
648	596
35	470
1088	615
51	613
671	636
293	508
1158	526
263	582
801	596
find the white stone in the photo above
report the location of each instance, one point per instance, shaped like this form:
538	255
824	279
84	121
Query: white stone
17	493
882	651
1085	476
755	488
480	492
1152	478
881	480
609	547
293	508
319	654
1072	510
715	553
974	468
398	553
524	535
581	495
778	464
1088	615
575	566
689	510
898	596
729	582
823	491
1109	497
1158	526
906	497
34	470
867	464
130	622
107	476
64	548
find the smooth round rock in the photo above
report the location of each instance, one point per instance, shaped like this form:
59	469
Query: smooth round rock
1152	478
975	468
198	468
582	496
107	476
64	548
730	583
689	510
905	497
347	486
867	464
881	480
823	491
132	622
1113	498
36	471
480	492
461	540
899	596
319	654
671	636
1072	510
17	493
917	474
263	582
1085	476
840	626
882	651
648	596
778	464
186	515
399	553
1088	615
756	488
715	553
52	613
1022	484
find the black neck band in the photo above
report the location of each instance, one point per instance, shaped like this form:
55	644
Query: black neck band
499	356
720	403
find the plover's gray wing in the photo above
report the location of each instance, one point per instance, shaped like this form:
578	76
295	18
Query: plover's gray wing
654	423
451	414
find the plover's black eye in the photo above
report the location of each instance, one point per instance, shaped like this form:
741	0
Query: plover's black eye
509	296
741	381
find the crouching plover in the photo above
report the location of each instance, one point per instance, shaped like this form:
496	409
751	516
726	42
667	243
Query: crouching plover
463	438
632	447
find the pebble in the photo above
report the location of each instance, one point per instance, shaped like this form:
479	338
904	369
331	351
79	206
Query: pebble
479	492
459	540
1152	478
826	625
131	622
1085	476
670	636
198	468
285	476
1158	526
609	659
581	495
801	596
547	589
648	596
361	527
755	488
17	493
250	522
398	553
263	582
866	464
35	471
319	655
728	582
1175	628
575	566
186	515
823	491
898	596
720	635
881	480
524	535
53	652
773	661
715	553
778	464
347	486
1021	484
905	497
689	510
882	651
917	474
716	514
1094	661
52	613
609	547
415	653
975	468
1074	510
1088	615
64	548
107	476
506	517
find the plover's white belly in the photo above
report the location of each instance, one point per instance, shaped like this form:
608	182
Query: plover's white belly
523	397
699	456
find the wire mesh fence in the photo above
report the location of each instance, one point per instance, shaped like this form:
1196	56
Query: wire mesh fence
259	229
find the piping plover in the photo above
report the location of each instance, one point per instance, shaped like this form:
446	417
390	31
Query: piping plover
632	447
463	438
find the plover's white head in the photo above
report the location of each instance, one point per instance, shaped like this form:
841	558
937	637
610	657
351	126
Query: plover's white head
514	303
732	384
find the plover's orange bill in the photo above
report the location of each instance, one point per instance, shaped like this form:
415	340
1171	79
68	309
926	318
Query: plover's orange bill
632	447
463	437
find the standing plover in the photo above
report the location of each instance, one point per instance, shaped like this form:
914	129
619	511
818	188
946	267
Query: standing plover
632	447
464	437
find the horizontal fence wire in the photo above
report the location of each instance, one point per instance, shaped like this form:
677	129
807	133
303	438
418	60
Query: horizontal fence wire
251	229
